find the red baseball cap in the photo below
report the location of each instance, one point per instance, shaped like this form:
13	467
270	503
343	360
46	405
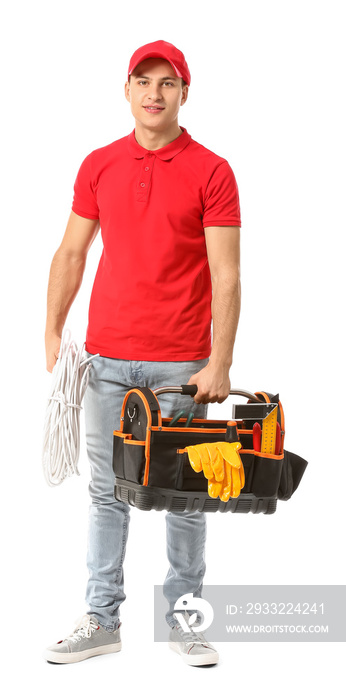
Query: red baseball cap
162	49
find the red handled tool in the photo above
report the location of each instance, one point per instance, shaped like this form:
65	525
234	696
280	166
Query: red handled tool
278	438
257	434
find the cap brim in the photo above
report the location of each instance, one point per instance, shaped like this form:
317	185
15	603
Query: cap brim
156	54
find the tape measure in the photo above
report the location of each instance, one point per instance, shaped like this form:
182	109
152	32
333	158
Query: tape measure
269	432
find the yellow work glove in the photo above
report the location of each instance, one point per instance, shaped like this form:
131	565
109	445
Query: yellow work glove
221	465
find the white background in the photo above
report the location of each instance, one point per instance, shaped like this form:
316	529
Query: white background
267	93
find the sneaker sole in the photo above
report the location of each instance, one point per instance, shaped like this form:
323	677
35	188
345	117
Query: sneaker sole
197	659
72	657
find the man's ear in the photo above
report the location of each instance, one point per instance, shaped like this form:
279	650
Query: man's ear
127	91
184	95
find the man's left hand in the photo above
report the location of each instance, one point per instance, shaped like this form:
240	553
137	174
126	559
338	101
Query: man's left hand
213	384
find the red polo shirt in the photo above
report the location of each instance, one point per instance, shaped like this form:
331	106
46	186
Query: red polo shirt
151	298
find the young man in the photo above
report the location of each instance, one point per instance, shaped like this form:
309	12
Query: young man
169	214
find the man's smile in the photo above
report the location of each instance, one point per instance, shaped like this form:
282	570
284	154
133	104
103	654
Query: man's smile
153	108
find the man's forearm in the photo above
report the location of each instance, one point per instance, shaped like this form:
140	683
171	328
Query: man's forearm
223	251
65	279
213	380
225	315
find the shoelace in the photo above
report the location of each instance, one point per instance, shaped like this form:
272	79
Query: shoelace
192	637
84	627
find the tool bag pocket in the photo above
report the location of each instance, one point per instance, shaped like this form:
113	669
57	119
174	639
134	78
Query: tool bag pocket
169	464
262	473
128	458
293	469
266	476
118	455
186	478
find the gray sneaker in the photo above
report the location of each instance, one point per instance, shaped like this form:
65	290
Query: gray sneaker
193	647
87	639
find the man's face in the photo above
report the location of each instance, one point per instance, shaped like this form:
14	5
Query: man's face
155	94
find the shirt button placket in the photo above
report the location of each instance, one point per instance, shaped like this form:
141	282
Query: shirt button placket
145	178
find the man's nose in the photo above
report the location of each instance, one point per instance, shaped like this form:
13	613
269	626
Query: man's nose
155	91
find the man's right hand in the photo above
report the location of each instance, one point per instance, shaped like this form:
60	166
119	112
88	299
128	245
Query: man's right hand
53	342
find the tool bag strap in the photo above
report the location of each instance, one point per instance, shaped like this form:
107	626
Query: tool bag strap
140	411
153	403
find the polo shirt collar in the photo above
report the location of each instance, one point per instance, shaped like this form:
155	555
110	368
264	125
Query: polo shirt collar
165	153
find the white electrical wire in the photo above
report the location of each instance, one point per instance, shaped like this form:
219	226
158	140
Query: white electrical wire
61	443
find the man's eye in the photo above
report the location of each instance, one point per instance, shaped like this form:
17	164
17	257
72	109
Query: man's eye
166	82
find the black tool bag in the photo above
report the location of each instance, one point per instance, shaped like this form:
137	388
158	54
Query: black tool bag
152	468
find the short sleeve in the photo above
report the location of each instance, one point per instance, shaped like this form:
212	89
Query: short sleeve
221	201
84	200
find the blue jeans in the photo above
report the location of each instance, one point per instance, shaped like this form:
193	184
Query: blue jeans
109	380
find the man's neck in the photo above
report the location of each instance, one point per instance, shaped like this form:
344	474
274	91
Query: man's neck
153	140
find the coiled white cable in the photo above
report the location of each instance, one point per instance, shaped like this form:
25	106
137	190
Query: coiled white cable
61	443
